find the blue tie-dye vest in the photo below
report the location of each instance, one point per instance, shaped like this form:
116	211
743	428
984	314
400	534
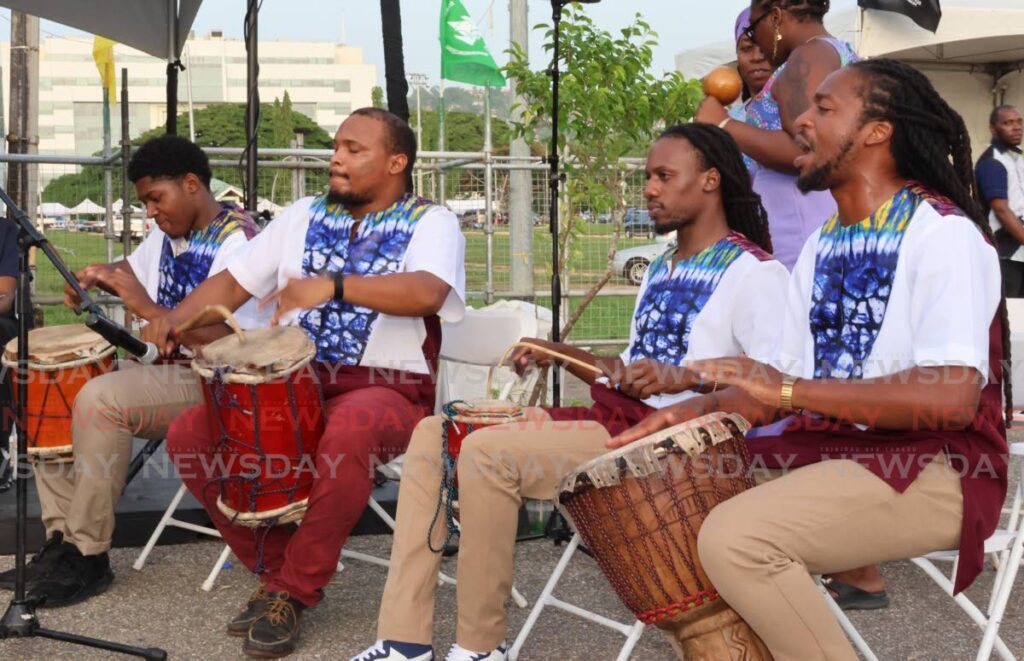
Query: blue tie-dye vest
342	330
675	296
853	275
180	275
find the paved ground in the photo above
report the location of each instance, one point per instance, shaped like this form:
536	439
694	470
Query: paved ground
163	605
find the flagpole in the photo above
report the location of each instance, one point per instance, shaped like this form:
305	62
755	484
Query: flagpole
489	195
441	144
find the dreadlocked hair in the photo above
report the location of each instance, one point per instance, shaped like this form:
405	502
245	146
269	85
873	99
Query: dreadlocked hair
744	212
814	9
930	144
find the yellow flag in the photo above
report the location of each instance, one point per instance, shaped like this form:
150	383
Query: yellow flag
103	54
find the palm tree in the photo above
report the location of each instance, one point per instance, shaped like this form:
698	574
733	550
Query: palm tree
394	58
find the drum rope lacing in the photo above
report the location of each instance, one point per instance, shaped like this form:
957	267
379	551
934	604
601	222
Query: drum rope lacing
448	492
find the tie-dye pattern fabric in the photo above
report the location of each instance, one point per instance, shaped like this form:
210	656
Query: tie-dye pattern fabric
179	275
853	276
675	296
342	330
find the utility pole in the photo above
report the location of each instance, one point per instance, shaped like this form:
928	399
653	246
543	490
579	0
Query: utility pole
520	202
419	80
22	178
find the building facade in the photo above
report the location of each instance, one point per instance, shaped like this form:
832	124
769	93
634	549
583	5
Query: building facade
325	81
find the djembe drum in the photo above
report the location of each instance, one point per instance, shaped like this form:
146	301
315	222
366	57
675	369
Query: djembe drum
265	407
61	360
639	510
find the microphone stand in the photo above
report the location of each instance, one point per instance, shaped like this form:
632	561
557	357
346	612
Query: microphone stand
20	621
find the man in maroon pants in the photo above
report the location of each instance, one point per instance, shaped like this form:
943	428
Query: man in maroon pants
367	271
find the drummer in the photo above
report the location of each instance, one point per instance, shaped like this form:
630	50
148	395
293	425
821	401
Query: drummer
194	237
715	292
373	270
893	366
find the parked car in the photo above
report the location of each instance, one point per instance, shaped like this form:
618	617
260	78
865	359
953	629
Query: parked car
632	263
637	222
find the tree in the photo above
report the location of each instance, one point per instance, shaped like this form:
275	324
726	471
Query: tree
217	125
377	97
282	121
612	106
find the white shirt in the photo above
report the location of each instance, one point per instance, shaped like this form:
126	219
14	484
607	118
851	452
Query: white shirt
145	263
742	316
1013	161
944	296
436	247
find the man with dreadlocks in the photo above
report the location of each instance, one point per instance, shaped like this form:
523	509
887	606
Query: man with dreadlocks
716	293
890	368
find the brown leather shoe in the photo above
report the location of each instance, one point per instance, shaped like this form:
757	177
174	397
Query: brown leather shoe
276	632
254	608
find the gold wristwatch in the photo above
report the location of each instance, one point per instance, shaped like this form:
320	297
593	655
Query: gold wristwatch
786	393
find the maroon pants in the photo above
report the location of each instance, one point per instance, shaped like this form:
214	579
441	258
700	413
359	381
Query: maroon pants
365	428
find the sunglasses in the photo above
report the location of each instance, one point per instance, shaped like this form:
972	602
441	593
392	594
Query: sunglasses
750	29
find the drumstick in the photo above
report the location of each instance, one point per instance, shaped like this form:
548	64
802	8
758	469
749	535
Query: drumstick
550	352
221	312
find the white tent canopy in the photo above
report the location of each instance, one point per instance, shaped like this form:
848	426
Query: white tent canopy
52	210
975	59
116	206
87	206
142	24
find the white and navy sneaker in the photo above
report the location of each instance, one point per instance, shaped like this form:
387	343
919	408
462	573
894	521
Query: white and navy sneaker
392	650
458	653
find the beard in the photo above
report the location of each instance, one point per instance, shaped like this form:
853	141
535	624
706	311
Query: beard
823	177
671	224
349	199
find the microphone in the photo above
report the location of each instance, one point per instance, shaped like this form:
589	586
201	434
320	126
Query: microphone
119	336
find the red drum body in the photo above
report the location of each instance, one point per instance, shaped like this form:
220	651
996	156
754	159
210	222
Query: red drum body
639	510
463	418
62	359
267	412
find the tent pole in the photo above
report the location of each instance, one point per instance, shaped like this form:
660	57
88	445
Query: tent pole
252	108
172	67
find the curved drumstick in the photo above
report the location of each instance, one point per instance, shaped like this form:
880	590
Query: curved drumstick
221	311
550	352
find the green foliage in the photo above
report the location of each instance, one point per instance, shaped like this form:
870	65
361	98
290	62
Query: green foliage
217	125
377	97
464	131
611	106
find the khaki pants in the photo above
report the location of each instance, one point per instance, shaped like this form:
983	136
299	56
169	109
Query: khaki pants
498	467
78	499
760	548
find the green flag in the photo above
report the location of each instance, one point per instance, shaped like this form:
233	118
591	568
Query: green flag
464	56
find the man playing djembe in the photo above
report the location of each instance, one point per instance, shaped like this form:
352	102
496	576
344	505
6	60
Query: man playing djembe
718	291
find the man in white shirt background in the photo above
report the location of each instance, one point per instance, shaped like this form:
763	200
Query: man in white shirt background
1000	173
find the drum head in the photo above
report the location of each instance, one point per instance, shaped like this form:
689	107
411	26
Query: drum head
265	354
59	346
643	457
486	411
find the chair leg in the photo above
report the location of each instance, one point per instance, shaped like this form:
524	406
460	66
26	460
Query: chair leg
1002	588
851	632
542	600
140	562
208	583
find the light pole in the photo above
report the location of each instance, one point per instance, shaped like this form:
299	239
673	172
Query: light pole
419	80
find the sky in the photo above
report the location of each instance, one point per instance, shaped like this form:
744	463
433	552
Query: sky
681	24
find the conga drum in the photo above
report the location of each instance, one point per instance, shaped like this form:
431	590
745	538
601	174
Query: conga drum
265	408
462	418
639	510
61	360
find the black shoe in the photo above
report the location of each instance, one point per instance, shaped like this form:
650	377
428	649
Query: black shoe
74	578
276	632
40	564
254	609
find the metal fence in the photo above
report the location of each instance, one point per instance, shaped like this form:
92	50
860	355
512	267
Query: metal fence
476	185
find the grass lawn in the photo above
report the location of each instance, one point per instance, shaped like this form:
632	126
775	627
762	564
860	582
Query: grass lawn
607	317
